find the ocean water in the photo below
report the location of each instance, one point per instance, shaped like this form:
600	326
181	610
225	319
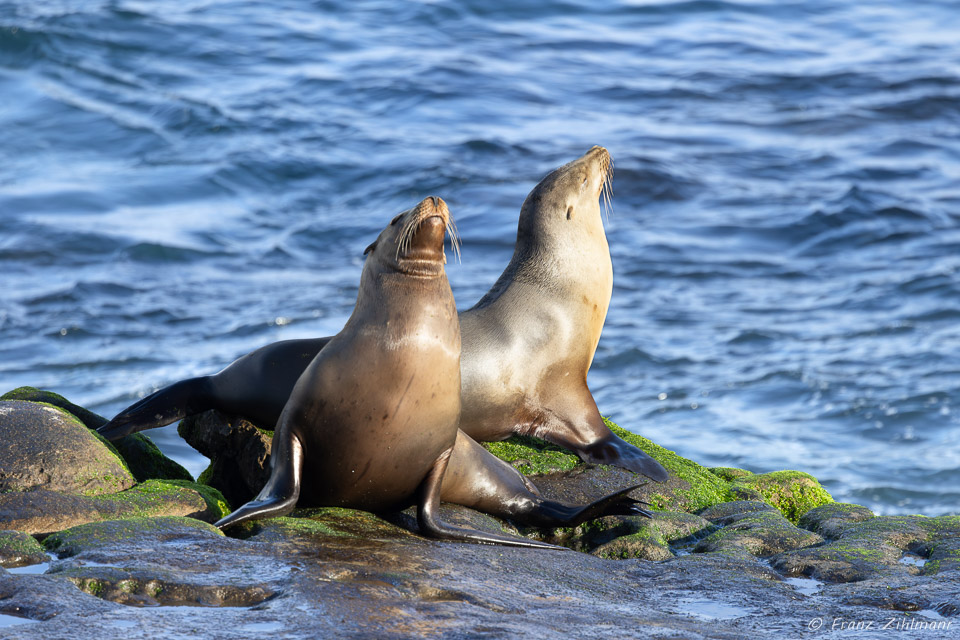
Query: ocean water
181	182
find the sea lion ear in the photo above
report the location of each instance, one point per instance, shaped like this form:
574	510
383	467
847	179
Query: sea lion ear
373	245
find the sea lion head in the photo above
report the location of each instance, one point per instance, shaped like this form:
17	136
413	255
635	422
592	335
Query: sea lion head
569	198
413	241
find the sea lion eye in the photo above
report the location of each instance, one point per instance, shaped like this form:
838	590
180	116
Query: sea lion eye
396	220
569	212
373	245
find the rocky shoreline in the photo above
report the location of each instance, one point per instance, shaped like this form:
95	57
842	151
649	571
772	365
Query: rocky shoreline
115	542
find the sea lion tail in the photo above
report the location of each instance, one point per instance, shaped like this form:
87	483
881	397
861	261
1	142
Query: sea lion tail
552	513
170	404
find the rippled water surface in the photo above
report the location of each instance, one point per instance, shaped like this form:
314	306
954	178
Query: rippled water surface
181	182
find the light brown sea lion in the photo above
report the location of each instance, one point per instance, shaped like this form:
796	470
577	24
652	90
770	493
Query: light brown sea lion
527	344
372	422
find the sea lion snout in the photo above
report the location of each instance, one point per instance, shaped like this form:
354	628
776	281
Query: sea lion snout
420	237
432	206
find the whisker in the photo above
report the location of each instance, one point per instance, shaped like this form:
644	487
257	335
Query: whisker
454	237
608	189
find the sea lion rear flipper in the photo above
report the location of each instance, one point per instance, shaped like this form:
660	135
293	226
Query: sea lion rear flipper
430	524
279	496
161	408
551	513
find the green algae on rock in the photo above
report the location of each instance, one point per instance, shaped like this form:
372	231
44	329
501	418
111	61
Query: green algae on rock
32	394
139	455
874	547
792	492
647	538
691	486
532	456
755	526
42	512
94	535
45	447
831	519
729	473
561	475
238	450
19	549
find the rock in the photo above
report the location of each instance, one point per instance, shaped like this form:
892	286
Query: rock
724	510
316	579
638	537
942	555
32	394
315	526
18	549
758	528
830	520
239	453
874	548
41	512
45	447
143	458
792	492
159	561
346	573
94	536
729	473
561	476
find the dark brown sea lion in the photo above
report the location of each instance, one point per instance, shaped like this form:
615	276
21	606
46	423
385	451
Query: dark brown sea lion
527	344
372	422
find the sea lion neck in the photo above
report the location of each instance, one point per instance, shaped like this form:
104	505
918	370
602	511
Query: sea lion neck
561	225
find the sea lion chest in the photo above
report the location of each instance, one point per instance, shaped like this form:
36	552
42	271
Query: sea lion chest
376	409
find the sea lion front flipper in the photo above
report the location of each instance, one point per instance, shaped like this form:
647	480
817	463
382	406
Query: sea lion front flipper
279	496
161	408
572	421
430	524
615	451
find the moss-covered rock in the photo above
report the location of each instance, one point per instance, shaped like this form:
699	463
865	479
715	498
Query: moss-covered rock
18	549
757	527
561	476
41	512
874	547
32	394
238	450
637	537
44	447
729	473
792	492
140	455
830	520
532	456
95	535
942	555
690	487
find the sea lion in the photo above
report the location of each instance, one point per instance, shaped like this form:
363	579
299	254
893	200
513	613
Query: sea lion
372	422
527	344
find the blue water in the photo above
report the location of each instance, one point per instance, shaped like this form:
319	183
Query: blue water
183	181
